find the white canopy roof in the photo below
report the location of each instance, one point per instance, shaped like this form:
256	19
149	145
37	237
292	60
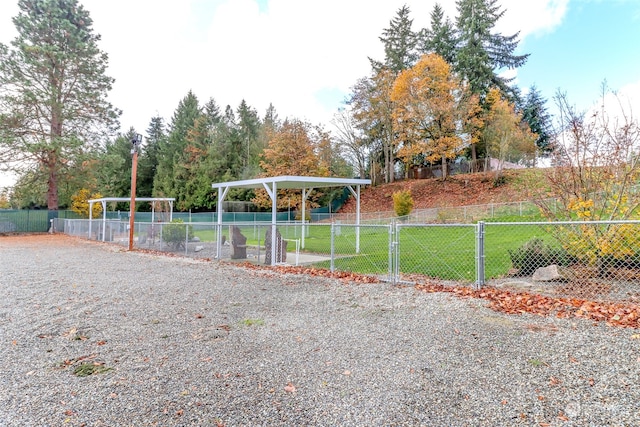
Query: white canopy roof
104	200
305	183
128	199
290	181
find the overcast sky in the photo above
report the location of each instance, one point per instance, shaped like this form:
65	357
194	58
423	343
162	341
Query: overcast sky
304	56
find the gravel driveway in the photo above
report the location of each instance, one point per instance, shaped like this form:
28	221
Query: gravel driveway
93	335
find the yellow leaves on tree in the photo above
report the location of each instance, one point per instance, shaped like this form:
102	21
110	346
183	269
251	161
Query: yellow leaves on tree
293	150
80	203
507	137
402	202
434	113
373	110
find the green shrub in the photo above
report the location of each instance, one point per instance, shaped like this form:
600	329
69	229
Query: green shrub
402	202
535	254
174	234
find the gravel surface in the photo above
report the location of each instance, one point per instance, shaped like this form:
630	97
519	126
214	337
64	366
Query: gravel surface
174	341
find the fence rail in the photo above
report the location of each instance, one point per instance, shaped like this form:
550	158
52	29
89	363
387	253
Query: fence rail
597	260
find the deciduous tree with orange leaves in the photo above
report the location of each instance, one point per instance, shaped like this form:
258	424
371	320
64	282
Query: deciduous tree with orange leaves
434	113
506	135
291	151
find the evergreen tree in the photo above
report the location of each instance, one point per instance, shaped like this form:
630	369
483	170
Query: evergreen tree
148	159
271	119
53	82
535	114
248	132
212	113
195	188
269	126
165	183
400	43
481	52
115	166
441	37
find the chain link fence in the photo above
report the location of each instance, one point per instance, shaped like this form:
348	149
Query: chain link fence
591	260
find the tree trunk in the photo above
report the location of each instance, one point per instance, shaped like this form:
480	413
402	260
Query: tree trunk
474	158
388	168
52	186
445	172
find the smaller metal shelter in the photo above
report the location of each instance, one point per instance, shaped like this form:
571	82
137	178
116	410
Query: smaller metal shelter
304	183
105	200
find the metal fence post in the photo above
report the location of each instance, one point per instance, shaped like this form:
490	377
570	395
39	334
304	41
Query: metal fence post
332	266
480	279
186	237
392	270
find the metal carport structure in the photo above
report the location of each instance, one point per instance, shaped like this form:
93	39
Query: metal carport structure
283	182
105	200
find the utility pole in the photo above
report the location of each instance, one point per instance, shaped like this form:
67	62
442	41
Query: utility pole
135	144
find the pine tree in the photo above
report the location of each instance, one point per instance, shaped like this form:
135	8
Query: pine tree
481	52
535	114
399	42
165	183
248	132
148	160
53	81
441	37
114	167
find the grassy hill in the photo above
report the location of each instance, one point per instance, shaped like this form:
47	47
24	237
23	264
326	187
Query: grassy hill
458	190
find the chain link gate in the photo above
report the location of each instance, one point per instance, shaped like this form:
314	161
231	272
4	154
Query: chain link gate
443	252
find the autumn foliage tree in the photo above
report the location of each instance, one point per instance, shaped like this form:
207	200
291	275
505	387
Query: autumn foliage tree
506	135
291	151
433	113
80	203
372	109
597	167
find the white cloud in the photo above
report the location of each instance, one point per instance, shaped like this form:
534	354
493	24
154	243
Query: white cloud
532	17
230	50
286	53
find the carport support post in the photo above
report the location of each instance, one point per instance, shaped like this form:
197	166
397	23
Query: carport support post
356	194
305	195
222	193
104	218
274	216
